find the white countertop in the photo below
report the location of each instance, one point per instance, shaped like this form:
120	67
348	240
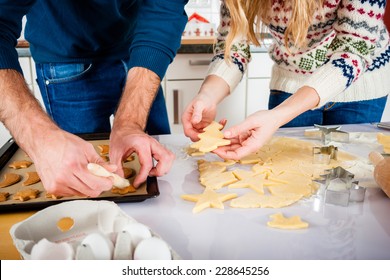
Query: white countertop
359	231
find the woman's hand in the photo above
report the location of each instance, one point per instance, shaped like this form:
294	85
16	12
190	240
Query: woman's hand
203	108
250	135
258	128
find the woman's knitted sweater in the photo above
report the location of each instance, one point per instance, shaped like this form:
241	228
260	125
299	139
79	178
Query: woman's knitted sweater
346	58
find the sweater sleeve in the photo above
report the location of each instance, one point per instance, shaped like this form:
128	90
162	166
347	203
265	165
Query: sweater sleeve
157	37
351	52
11	14
233	71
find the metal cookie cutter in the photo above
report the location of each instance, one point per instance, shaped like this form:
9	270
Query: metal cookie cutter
323	155
329	134
339	187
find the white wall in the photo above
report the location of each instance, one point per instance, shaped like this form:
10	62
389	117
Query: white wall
209	9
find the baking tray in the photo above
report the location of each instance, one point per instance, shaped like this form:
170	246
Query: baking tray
10	152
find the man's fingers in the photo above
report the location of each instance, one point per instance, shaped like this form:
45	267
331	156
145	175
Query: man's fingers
146	162
164	160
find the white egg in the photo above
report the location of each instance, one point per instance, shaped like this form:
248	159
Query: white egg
138	232
152	248
46	250
100	245
123	246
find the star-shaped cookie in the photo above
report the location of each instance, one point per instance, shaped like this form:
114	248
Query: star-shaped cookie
280	221
255	183
208	199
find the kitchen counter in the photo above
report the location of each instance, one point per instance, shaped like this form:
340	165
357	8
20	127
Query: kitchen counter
188	45
359	231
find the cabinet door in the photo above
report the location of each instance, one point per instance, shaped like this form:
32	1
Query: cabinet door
257	95
179	94
189	66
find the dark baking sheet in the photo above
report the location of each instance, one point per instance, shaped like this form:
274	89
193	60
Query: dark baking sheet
8	150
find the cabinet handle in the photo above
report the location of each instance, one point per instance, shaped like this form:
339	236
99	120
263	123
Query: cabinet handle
175	106
199	62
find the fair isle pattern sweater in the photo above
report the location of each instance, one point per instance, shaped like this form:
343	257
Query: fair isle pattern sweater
347	56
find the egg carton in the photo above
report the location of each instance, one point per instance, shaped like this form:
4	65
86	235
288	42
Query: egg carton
87	229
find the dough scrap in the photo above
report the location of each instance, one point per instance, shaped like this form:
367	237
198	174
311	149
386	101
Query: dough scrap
219	180
281	222
285	171
208	199
255	200
99	170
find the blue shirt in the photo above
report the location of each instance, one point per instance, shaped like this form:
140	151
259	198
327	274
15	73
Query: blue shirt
84	31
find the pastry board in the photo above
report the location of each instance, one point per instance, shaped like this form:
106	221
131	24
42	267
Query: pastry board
10	152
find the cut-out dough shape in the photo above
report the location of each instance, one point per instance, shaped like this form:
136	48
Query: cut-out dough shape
20	164
128	172
10	179
281	222
210	139
26	194
32	178
125	190
3	196
255	183
208	199
104	149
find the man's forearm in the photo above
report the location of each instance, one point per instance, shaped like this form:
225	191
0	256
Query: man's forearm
137	98
20	112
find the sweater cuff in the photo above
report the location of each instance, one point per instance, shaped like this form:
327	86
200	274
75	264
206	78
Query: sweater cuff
150	58
9	59
328	81
228	72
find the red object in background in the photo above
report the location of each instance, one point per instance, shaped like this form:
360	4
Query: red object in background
387	16
196	16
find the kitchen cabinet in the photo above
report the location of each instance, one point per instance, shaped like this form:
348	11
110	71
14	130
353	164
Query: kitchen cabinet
182	82
259	75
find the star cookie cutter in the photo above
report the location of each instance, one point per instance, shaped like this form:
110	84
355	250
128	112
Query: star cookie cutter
339	188
329	134
323	155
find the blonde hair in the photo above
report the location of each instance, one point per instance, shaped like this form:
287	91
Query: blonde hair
249	17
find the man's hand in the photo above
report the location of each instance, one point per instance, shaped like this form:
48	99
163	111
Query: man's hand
126	141
128	136
60	158
61	161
